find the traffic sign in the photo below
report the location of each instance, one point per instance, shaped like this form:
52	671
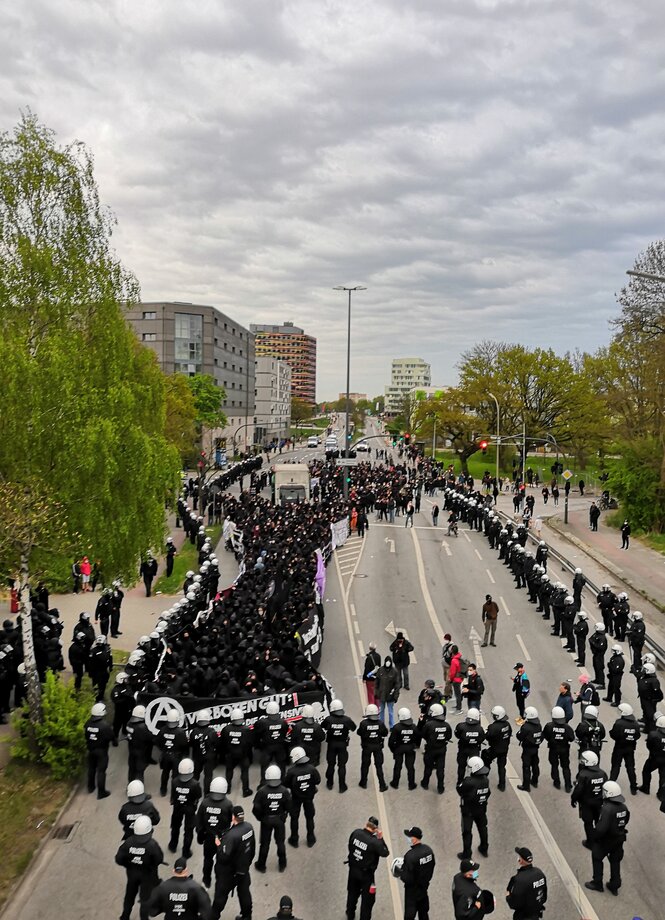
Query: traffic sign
567	474
347	461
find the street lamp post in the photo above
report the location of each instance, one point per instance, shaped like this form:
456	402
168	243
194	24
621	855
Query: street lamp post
341	287
647	275
434	441
498	435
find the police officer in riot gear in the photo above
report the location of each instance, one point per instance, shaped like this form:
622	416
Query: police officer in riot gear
559	735
499	733
474	792
598	646
372	734
403	742
235	742
270	734
302	780
309	735
98	737
272	805
173	745
180	897
213	820
581	631
437	734
590	732
185	795
587	794
140	741
470	736
636	635
122	697
235	855
608	839
337	726
203	741
656	758
530	736
141	856
366	846
626	733
138	803
615	668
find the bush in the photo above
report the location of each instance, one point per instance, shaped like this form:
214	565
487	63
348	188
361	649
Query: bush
59	740
635	480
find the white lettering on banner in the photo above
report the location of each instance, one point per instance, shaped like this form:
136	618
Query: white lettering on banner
157	711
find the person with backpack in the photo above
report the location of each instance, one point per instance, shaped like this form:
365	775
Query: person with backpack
456	675
521	689
588	695
446	657
473	687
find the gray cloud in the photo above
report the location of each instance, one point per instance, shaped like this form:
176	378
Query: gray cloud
486	168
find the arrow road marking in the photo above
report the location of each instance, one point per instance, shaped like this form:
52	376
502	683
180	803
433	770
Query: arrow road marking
392	630
446	547
392	544
474	637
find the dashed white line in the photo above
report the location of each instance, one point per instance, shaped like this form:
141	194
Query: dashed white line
478	555
504	606
356	627
523	647
466	536
490	576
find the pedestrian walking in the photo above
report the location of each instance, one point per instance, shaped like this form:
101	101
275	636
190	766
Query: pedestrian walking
180	897
435	515
526	893
609	836
401	649
625	535
147	572
371	666
474	792
386	689
416	874
366	847
538	526
409	515
489	614
521	689
140	856
235	855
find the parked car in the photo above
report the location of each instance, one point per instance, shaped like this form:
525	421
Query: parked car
363	445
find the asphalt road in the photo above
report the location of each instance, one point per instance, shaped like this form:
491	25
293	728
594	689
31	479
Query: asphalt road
419	581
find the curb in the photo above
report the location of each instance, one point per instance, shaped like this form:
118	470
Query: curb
18	884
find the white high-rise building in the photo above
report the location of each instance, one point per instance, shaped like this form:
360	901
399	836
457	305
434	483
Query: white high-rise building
406	374
273	399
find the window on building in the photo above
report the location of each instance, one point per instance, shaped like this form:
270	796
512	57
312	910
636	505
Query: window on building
149	337
149	314
188	343
233	349
215	360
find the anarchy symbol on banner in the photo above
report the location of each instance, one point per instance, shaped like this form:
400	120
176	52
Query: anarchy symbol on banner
157	711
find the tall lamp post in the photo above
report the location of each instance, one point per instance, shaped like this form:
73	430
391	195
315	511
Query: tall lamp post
498	435
341	287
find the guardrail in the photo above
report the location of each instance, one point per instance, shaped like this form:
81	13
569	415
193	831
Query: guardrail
657	650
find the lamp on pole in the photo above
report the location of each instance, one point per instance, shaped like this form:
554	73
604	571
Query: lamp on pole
498	435
647	275
341	287
434	441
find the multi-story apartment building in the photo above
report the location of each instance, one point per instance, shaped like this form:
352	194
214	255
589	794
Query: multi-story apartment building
291	344
273	399
406	374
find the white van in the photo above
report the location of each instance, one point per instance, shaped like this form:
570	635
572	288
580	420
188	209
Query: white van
312	441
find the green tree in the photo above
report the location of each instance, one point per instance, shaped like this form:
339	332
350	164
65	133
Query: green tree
208	398
301	411
84	464
181	416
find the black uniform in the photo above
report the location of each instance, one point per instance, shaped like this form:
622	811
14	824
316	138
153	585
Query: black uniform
235	855
270	734
272	805
372	736
530	736
365	850
626	734
655	760
581	631
337	726
180	899
235	742
615	669
416	874
173	745
98	737
203	740
309	735
499	733
302	780
607	601
650	694
591	735
213	820
636	634
474	792
170	557
470	737
608	839
122	697
527	893
185	795
466	892
559	735
130	811
147	572
140	741
403	742
436	733
141	857
588	796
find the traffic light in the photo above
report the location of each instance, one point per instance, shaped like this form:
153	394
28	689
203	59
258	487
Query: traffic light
407	437
483	446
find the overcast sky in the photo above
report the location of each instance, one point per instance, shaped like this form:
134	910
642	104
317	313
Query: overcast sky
488	168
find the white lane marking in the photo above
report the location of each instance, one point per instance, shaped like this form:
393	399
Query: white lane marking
504	606
357	654
474	636
356	627
466	535
523	647
353	610
490	576
558	859
446	547
478	554
392	544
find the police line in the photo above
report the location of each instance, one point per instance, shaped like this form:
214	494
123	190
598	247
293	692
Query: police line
290	707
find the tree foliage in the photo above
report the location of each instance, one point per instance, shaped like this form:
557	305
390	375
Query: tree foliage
83	445
208	398
180	427
301	411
